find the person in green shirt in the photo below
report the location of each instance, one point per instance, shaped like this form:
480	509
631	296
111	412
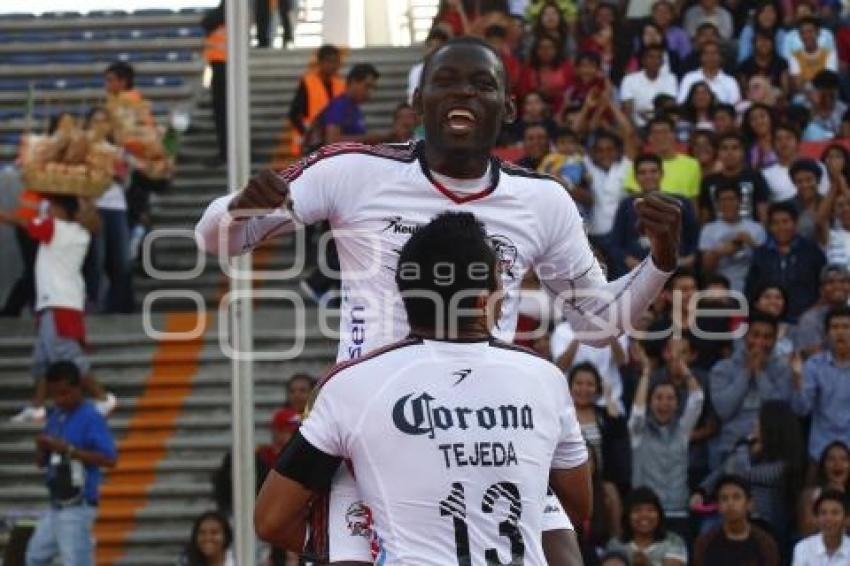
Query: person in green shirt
682	175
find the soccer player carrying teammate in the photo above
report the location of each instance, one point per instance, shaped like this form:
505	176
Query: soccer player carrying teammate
453	436
377	196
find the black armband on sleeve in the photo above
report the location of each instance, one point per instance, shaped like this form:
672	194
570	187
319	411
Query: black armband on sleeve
302	462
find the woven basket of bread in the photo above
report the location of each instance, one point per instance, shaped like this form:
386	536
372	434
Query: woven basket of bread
136	131
66	163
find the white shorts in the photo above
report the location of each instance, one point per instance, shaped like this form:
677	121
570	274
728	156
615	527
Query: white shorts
349	532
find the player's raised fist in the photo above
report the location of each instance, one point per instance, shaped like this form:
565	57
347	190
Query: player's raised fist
660	219
265	191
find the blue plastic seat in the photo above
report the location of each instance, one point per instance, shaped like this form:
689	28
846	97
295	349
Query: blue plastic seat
13	85
107	14
60	15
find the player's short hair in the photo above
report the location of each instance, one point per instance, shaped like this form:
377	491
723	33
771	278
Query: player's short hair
123	71
362	71
63	371
831	495
327	51
441	269
732	479
467	41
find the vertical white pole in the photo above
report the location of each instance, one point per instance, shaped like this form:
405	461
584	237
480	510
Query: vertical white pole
242	386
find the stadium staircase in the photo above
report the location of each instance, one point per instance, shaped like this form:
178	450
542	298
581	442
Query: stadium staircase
173	422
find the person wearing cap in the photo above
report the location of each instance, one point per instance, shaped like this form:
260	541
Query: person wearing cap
834	284
284	424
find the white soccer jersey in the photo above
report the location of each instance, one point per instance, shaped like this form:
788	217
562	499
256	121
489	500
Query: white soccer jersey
451	444
375	197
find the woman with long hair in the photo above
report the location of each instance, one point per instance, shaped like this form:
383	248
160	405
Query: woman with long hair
650	33
551	22
702	146
645	538
757	127
767	19
833	217
699	106
833	472
210	542
608	38
548	72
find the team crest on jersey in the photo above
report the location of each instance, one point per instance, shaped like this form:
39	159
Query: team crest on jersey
506	253
359	520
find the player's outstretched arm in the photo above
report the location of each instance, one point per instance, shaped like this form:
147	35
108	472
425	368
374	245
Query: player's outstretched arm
281	511
241	216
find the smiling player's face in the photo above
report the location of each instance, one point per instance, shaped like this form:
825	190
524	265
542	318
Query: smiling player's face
463	99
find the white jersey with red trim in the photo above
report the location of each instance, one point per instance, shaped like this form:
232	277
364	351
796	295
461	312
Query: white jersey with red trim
375	197
451	444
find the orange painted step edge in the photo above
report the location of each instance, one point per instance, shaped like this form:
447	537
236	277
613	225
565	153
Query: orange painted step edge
162	373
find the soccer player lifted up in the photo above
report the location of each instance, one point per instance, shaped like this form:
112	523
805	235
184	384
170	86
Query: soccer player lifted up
375	197
453	435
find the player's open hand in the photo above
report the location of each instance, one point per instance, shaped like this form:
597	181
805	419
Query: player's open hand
660	219
265	191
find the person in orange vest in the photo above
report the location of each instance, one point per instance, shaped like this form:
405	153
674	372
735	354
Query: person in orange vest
315	90
215	53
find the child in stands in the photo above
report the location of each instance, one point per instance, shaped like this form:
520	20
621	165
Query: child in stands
63	230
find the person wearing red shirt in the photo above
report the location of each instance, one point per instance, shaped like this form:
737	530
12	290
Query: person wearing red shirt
547	72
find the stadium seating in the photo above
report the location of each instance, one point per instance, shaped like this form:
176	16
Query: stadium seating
173	422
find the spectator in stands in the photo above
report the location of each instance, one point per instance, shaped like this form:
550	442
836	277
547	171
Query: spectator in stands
109	249
589	81
299	387
649	34
765	61
405	122
727	243
766	21
724	87
215	54
343	118
548	72
639	89
63	233
535	146
830	545
773	300
457	16
709	11
74	446
736	540
786	259
262	13
806	175
660	437
770	460
317	87
609	39
734	171
740	384
834	288
210	543
646	539
533	110
698	105
682	174
757	127
550	19
827	110
702	146
437	37
613	557
724	119
664	16
497	36
627	245
604	429
822	386
832	474
806	61
786	142
834	212
607	166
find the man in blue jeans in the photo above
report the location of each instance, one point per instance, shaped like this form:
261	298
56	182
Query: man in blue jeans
74	446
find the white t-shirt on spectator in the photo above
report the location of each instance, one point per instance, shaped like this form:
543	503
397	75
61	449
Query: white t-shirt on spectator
778	178
642	90
599	357
734	267
607	187
831	63
113	198
59	266
811	551
724	87
838	247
